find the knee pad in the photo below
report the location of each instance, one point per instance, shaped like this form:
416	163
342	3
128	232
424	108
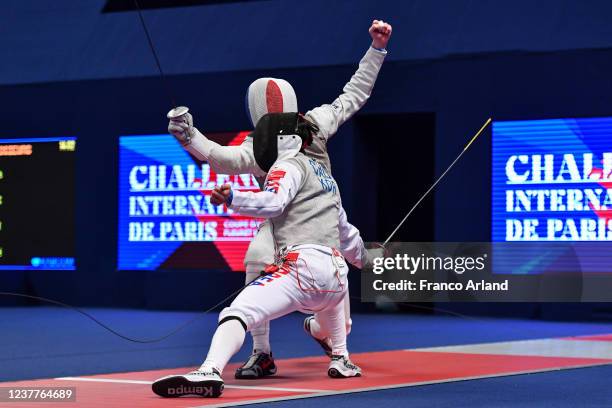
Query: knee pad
230	313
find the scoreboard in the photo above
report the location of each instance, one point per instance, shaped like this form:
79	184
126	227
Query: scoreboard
37	203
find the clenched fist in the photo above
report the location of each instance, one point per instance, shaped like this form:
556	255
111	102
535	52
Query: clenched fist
380	33
221	194
181	128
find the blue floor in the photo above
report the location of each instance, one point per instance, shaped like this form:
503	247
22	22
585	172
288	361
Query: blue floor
41	342
587	387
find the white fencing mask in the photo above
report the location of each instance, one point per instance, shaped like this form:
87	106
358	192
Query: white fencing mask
269	95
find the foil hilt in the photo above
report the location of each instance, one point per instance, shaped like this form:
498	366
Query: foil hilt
177	112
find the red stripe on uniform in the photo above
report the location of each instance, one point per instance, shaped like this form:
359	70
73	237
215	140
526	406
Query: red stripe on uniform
273	180
274	98
292	256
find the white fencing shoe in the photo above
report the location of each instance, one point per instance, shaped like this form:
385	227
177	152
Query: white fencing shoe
342	367
202	383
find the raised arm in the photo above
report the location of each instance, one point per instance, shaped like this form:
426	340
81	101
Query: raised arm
282	184
222	159
330	117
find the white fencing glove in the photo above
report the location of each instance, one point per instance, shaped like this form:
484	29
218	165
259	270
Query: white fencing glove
371	254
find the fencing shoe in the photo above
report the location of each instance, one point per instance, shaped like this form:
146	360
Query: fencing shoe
258	365
342	367
204	383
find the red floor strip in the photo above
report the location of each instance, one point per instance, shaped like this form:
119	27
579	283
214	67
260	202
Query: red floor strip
308	375
600	337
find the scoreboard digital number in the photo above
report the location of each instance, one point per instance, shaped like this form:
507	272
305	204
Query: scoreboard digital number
37	203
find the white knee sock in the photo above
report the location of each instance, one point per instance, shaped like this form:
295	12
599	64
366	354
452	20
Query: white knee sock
321	333
338	339
347	313
331	322
260	334
225	343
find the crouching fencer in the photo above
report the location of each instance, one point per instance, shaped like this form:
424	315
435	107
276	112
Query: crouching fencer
301	201
270	95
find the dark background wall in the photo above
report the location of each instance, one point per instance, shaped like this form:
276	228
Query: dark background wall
72	70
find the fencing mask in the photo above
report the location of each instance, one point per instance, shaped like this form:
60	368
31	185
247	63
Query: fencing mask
269	95
279	136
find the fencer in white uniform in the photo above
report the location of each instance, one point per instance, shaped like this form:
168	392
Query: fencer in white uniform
301	201
276	95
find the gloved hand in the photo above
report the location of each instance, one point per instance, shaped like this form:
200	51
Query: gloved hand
181	127
222	194
380	33
371	254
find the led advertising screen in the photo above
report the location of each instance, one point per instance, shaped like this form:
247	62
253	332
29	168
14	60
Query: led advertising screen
552	194
166	220
37	203
552	180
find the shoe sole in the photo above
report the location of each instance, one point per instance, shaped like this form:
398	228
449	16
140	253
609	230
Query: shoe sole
254	376
178	386
335	373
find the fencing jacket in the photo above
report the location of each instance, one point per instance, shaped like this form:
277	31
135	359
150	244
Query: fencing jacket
301	200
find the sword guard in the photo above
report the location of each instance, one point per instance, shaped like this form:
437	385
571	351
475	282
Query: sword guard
177	112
